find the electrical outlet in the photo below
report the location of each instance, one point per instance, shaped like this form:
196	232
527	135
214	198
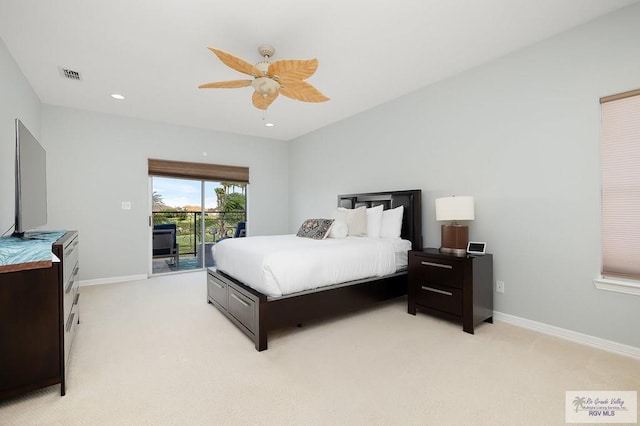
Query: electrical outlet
126	205
499	286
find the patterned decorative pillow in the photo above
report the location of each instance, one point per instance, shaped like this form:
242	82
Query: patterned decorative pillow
318	229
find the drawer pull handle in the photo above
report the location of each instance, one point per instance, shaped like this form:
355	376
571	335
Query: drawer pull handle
217	284
75	301
70	321
435	290
70	248
242	302
69	285
437	265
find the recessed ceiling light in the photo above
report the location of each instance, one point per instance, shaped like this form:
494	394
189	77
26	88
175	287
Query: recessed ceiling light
117	96
269	124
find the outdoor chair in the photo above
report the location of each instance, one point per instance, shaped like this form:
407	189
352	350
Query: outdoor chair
241	230
164	242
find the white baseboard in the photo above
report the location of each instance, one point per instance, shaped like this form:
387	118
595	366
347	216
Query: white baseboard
573	336
111	280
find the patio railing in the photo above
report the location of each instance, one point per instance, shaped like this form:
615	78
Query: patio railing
218	225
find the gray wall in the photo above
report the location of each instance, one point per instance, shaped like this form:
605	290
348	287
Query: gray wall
17	100
96	161
520	134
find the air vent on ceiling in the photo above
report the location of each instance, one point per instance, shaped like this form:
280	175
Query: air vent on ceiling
69	74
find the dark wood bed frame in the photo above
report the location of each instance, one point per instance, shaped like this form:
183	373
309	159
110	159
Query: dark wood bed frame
256	314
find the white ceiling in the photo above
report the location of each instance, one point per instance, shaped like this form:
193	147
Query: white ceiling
155	51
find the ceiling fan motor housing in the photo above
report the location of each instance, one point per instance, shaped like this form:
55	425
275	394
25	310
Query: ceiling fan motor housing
263	67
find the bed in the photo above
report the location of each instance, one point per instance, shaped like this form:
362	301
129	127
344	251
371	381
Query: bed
257	312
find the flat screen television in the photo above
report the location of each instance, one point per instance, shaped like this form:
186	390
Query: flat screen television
31	182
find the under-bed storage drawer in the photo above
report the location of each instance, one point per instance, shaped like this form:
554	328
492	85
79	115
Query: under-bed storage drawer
217	291
239	303
242	308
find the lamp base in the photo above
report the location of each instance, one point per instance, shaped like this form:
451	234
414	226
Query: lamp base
454	239
453	252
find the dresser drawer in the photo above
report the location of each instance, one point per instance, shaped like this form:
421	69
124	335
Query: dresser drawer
70	259
70	290
442	298
70	326
243	309
217	290
435	271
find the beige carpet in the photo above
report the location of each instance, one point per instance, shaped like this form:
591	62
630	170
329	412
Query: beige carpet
153	352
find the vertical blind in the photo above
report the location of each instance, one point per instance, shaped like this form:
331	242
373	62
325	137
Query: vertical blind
621	185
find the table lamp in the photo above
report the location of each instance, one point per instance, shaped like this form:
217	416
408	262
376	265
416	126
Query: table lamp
454	236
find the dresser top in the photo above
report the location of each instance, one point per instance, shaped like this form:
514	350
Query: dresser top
32	251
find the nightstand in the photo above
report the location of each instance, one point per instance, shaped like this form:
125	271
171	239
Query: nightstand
457	287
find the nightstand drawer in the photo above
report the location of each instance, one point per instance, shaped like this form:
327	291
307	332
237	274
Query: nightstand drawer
442	298
436	271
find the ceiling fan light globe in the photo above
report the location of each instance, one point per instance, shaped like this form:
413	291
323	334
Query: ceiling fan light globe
265	86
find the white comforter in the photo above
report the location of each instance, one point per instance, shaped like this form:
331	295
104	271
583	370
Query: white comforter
283	264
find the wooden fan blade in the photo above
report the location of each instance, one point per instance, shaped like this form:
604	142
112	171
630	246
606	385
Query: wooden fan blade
262	102
236	63
299	69
231	84
301	91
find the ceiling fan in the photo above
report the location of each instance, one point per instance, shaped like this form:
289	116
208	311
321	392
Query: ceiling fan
283	77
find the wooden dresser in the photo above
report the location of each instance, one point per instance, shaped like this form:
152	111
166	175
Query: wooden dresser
456	287
39	313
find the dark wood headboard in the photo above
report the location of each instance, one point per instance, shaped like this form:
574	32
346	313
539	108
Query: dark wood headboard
412	214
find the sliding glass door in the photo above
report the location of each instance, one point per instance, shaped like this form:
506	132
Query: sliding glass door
188	217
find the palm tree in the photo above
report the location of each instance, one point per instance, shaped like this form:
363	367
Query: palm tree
578	402
230	201
157	200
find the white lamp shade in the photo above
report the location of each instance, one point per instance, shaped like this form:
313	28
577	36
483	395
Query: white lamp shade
455	208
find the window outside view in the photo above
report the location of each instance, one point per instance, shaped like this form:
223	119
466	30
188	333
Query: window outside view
179	240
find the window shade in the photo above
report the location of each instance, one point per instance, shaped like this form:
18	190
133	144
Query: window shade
621	185
212	172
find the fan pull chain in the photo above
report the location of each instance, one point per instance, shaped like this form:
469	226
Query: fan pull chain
264	119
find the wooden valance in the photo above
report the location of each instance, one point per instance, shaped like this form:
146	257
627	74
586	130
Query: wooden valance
205	171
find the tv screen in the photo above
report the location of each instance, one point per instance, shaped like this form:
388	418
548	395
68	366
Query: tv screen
31	181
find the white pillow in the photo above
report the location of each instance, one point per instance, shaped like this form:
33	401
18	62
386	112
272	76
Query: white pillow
338	230
374	221
356	220
392	222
